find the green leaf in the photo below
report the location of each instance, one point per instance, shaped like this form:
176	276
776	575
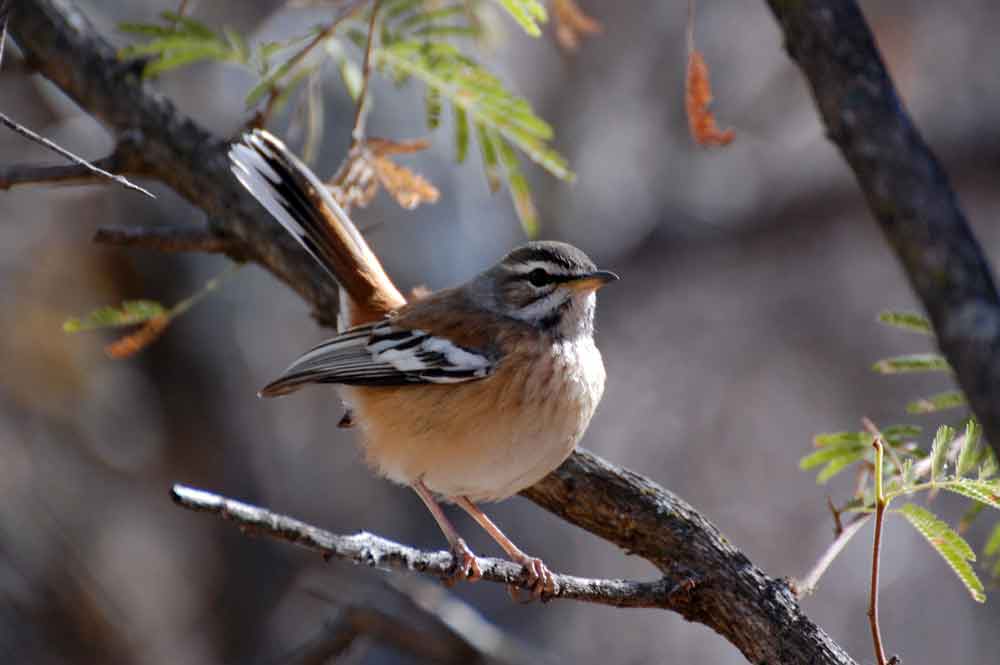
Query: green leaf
520	190
433	103
130	313
182	41
993	543
939	402
986	492
952	547
916	362
899	434
907	321
843	438
832	452
461	81
461	122
939	450
490	159
351	75
834	467
529	13
968	456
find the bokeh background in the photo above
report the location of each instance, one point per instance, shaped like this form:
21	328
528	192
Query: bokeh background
745	323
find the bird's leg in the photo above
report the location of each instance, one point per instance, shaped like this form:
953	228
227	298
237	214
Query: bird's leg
539	575
466	565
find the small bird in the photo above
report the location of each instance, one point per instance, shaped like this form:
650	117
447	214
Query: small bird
469	394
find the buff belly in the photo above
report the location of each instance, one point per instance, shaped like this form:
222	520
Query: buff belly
485	439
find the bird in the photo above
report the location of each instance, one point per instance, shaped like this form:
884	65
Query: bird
467	395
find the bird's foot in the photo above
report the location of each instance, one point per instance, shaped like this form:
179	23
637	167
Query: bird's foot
540	579
466	564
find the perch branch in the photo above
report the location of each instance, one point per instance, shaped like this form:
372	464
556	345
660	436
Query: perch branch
907	190
377	552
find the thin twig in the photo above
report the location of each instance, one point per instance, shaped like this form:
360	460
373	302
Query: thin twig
880	504
294	61
358	132
377	552
807	584
79	161
171	239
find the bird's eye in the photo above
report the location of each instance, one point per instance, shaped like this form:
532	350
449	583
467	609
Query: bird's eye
538	277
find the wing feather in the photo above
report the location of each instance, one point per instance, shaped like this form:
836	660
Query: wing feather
383	354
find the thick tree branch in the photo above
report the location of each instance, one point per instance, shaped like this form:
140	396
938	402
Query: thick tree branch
907	190
172	239
721	587
377	552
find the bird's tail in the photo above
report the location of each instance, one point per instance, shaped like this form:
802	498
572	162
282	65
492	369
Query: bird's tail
293	194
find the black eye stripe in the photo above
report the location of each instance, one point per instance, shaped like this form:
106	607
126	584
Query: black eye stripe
541	277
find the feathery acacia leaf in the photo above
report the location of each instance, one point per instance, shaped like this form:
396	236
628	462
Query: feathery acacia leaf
951	399
181	41
131	312
906	321
969	456
951	546
915	362
986	492
939	450
528	13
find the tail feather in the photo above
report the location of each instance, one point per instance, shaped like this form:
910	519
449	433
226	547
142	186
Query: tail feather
290	191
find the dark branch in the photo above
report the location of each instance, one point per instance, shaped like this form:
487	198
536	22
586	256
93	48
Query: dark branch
377	552
907	190
172	239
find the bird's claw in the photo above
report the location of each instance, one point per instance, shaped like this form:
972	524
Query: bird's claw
466	564
539	578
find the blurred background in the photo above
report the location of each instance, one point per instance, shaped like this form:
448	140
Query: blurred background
744	324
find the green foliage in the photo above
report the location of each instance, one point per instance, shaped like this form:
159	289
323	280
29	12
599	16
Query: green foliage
181	41
939	451
529	13
952	547
131	312
907	321
837	451
503	121
951	399
992	550
414	42
915	362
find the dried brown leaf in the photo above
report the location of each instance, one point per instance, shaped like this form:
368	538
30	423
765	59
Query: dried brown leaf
408	188
367	168
698	96
572	24
134	342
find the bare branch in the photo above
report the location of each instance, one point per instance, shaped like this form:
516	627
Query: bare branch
172	239
81	170
377	552
807	584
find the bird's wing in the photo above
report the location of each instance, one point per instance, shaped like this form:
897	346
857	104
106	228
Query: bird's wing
384	354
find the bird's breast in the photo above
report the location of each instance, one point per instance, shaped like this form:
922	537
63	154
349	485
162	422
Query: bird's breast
485	439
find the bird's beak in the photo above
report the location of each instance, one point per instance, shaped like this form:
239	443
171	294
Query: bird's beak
592	281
